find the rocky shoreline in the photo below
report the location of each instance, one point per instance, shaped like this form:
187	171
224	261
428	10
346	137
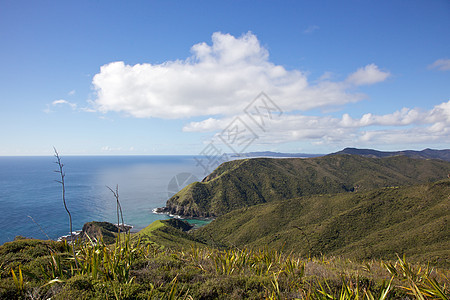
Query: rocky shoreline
97	230
180	212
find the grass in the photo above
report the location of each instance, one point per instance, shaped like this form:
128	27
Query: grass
376	224
167	233
164	262
137	271
150	228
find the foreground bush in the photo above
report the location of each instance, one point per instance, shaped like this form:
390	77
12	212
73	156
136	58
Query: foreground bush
34	269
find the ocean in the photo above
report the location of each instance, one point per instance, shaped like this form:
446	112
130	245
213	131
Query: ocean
31	202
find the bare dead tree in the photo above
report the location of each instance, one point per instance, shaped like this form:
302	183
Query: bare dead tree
60	170
118	208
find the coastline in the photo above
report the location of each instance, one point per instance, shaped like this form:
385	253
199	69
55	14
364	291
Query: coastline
196	221
79	233
142	180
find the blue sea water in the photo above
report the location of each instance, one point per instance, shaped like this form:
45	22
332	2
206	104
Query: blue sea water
28	187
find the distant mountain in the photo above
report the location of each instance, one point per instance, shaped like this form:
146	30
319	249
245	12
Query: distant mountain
273	154
246	182
424	154
410	220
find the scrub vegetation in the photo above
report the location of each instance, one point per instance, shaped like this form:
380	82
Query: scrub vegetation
243	183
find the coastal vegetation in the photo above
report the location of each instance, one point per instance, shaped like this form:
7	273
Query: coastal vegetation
335	227
410	220
33	269
243	183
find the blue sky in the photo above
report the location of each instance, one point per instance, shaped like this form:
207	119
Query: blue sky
174	77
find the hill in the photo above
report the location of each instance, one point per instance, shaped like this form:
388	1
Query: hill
167	233
410	220
424	154
247	182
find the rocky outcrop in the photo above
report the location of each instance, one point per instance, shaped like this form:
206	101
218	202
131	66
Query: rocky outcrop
184	211
186	202
179	224
102	230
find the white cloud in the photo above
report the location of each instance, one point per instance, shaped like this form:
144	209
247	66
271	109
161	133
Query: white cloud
109	149
207	125
64	102
59	102
406	126
399	118
218	79
370	74
434	134
71	93
441	64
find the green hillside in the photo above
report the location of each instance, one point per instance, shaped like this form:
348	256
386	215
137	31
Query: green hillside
248	182
167	233
376	224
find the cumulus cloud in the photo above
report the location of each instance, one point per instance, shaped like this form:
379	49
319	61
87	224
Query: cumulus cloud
208	125
441	64
400	127
437	134
403	117
218	79
370	74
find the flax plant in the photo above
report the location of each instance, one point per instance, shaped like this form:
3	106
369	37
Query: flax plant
419	282
18	279
109	262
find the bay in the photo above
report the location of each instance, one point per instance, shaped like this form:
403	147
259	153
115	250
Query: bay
31	202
